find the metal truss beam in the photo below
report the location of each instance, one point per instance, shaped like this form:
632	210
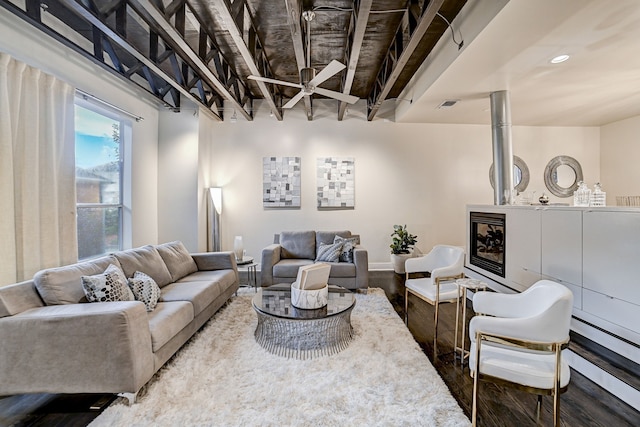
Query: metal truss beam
294	15
233	18
399	55
148	65
175	39
362	9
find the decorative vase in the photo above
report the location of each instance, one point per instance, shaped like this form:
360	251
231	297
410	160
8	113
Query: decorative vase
544	199
238	248
309	299
397	260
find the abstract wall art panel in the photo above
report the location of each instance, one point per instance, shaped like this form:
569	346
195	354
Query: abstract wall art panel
336	183
281	182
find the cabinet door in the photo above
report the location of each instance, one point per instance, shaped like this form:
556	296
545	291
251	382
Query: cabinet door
611	251
562	245
612	310
523	247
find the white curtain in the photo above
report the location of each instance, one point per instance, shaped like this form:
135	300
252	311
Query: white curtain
37	172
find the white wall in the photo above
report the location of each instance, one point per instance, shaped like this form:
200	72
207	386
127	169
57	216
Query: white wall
33	47
421	175
178	178
619	159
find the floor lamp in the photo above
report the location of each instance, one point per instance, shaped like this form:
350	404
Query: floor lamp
215	209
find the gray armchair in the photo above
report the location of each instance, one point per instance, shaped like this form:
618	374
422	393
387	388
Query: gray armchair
294	249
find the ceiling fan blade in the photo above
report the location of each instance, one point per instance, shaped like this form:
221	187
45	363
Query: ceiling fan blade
332	68
293	101
337	95
274	81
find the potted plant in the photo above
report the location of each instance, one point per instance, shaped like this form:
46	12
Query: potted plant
401	247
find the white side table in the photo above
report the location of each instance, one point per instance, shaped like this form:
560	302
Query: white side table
464	285
250	267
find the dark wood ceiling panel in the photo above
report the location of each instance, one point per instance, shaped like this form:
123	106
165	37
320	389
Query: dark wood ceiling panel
265	29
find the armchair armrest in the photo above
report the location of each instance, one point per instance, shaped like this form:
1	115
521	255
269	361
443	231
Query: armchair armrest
420	264
207	261
76	348
361	261
270	257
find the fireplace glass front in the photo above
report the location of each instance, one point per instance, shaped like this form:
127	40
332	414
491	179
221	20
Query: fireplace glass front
487	241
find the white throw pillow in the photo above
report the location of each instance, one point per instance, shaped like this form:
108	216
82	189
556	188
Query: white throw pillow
329	252
107	287
145	289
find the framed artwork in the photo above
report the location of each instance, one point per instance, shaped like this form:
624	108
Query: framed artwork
281	182
336	183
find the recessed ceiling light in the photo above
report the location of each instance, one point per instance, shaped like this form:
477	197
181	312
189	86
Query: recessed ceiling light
560	58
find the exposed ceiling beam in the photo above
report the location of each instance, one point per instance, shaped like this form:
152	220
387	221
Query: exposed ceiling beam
416	36
95	21
362	17
236	35
148	10
294	14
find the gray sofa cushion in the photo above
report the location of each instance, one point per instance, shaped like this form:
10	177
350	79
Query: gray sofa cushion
147	260
343	269
298	244
289	267
178	260
225	277
167	320
199	294
63	285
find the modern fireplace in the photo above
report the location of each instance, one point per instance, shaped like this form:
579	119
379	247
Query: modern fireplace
487	241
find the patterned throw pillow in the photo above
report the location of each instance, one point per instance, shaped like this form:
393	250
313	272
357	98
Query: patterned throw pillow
329	252
145	289
108	286
348	243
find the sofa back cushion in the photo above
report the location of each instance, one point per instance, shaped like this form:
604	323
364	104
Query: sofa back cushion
146	259
18	297
298	244
326	237
63	285
178	260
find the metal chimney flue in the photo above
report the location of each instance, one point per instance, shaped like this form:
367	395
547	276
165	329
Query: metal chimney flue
502	148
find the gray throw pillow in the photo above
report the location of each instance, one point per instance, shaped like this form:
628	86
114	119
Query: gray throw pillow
145	289
109	286
329	252
346	254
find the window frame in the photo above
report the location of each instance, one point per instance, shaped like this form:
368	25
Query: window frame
125	134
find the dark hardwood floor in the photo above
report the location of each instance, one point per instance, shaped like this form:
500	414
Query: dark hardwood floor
584	404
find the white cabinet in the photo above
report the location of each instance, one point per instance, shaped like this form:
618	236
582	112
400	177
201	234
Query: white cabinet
611	248
561	249
611	309
522	248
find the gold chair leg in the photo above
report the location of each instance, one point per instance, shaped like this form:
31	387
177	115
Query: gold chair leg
406	306
476	385
435	334
538	408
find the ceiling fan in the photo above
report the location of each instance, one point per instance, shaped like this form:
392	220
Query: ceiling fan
309	80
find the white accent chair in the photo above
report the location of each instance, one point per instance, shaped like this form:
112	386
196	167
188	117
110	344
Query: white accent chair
445	263
518	340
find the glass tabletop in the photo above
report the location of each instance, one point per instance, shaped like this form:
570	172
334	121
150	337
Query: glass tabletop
276	301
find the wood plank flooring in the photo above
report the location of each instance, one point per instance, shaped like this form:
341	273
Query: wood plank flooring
584	404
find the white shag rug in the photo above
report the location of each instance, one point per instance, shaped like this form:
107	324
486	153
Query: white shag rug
222	377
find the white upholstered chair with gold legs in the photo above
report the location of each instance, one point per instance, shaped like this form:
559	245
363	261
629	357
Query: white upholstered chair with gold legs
445	263
518	340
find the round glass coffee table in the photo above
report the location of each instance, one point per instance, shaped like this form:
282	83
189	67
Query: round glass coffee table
288	331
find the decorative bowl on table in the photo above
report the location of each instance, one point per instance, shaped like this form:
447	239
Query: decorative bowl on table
309	298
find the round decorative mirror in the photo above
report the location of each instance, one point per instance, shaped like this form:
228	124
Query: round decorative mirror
520	174
562	175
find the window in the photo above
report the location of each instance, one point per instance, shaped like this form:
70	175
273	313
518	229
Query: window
99	137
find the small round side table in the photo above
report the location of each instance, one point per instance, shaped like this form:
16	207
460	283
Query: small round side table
463	286
250	267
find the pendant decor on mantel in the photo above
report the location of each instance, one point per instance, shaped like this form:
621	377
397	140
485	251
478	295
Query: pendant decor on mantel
336	183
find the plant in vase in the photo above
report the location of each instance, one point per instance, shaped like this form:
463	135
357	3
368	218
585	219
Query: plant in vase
401	247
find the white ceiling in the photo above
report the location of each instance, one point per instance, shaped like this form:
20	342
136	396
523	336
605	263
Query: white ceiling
599	84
